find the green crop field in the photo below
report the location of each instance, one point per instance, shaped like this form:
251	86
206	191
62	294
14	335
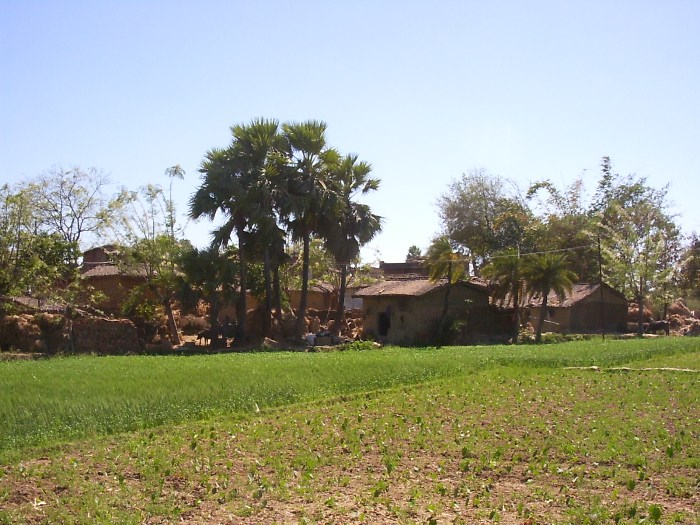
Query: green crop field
502	434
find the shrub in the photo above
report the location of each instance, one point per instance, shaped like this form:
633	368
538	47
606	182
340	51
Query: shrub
358	346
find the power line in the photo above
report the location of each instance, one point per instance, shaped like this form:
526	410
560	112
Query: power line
521	254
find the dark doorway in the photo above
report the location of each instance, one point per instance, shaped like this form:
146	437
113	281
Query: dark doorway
384	323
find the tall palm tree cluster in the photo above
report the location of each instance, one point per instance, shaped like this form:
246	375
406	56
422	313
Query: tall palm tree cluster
277	181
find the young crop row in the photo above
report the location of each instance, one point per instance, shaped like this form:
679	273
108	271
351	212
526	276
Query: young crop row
511	445
43	402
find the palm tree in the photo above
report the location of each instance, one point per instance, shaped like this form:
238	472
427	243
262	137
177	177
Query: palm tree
444	262
260	146
546	273
234	184
505	269
354	226
309	194
223	189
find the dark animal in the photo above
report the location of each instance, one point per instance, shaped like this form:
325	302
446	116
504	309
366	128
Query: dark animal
206	336
655	326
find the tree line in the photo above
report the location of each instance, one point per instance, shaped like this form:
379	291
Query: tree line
546	238
285	201
276	190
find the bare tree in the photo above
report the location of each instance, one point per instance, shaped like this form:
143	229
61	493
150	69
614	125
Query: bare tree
71	203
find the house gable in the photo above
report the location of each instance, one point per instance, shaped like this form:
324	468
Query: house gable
589	308
407	312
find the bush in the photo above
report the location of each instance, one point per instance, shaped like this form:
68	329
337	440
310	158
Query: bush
49	323
528	338
358	346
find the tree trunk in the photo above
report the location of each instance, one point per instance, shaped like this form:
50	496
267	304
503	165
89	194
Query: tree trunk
277	292
340	307
301	313
543	314
214	323
640	314
445	305
516	315
267	318
242	309
172	326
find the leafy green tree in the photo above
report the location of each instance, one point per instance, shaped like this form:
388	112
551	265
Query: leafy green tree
641	242
32	261
174	172
212	276
223	189
641	245
72	203
263	150
413	254
505	269
546	273
565	224
689	274
15	221
445	261
482	216
152	246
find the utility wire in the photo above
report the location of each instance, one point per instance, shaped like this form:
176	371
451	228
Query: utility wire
521	254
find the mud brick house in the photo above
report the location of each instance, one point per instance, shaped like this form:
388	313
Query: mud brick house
320	296
407	311
589	308
100	272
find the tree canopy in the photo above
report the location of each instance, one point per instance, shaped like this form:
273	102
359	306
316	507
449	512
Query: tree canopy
274	183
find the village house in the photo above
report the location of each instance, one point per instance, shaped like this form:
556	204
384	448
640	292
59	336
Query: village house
589	308
101	273
416	269
320	296
408	311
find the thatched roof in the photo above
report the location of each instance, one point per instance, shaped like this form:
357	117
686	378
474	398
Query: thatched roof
411	288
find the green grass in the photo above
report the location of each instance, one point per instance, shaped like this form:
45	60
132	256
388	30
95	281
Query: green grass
501	436
52	401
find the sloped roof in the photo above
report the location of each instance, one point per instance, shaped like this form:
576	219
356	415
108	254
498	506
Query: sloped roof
414	267
578	293
318	287
34	303
110	270
410	288
321	287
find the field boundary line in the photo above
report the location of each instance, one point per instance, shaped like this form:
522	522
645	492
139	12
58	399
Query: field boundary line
629	369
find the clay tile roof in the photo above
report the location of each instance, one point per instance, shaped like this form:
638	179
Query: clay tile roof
109	270
578	293
408	288
41	305
321	287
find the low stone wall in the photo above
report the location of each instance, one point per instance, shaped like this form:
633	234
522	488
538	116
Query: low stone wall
50	334
105	336
21	332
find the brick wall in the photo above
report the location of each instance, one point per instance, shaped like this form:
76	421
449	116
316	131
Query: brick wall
105	336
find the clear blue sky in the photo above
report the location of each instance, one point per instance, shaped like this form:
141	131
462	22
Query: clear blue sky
424	91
